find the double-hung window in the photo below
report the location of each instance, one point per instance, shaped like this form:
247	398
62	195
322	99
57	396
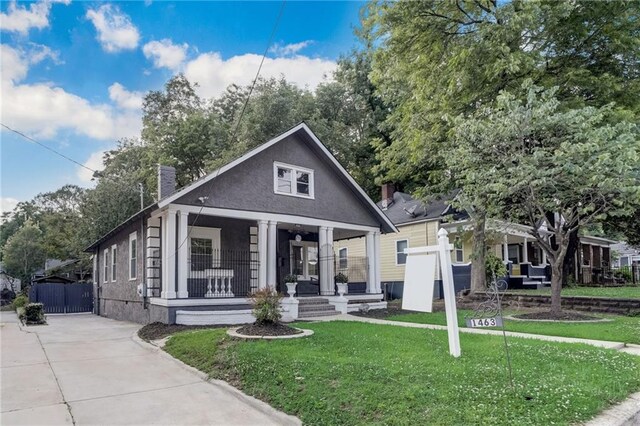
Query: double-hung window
343	262
133	255
292	180
401	257
114	263
204	248
459	251
107	265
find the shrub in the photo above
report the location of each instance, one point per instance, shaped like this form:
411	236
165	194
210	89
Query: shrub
495	268
266	306
290	278
342	278
20	301
34	313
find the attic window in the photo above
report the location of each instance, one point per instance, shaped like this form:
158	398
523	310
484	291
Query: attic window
292	180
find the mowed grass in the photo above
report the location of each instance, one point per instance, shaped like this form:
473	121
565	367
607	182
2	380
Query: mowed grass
355	373
627	292
618	329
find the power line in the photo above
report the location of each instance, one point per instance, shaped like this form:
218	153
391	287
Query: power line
264	55
47	147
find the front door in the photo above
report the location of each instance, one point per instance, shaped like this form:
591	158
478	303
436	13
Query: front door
304	260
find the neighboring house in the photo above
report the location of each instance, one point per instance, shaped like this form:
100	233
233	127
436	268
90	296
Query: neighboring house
418	225
197	254
70	268
625	255
8	282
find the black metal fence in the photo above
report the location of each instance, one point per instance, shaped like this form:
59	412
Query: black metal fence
221	273
610	276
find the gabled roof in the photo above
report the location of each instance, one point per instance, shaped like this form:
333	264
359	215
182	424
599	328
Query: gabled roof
301	128
404	209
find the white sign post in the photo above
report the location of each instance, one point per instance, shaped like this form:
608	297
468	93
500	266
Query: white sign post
419	278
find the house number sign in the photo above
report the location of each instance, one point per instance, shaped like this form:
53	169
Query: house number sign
484	322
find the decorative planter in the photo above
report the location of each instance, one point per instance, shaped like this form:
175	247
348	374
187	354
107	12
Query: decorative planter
291	289
342	289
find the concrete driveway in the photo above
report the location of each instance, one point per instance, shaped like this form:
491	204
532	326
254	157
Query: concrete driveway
83	369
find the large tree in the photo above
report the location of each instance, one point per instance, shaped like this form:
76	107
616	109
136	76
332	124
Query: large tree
438	59
24	252
529	158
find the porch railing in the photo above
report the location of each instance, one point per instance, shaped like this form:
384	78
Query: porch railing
606	275
221	273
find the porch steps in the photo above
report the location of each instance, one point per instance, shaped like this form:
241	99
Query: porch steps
315	307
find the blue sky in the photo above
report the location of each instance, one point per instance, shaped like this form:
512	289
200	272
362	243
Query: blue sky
74	73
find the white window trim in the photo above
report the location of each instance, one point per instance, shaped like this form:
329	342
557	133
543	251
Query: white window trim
294	187
114	255
396	251
133	237
106	266
212	234
455	250
346	257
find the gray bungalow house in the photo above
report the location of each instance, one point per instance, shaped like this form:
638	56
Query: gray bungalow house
195	256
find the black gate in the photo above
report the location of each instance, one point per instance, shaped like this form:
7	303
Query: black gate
60	298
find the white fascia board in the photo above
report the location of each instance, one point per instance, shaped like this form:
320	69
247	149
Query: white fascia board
303	126
604	242
277	217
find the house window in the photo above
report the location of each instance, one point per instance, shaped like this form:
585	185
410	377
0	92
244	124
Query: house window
133	255
343	262
204	248
114	249
105	255
459	251
401	257
292	180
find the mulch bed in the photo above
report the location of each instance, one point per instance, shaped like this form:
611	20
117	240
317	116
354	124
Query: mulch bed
564	316
158	330
268	330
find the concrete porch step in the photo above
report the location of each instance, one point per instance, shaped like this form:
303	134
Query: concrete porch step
312	301
307	308
311	314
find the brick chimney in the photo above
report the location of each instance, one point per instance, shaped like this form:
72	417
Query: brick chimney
166	181
388	189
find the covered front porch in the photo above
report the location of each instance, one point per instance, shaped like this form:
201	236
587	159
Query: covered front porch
220	256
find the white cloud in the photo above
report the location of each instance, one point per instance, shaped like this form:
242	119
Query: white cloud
94	162
165	54
20	19
39	52
214	74
289	49
7	204
115	30
124	98
43	109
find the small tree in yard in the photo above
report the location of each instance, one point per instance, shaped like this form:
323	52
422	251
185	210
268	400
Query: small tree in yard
553	170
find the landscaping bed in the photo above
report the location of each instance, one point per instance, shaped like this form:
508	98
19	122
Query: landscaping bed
277	329
563	316
158	330
355	373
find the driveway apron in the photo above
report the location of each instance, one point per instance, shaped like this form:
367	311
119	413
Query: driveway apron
84	369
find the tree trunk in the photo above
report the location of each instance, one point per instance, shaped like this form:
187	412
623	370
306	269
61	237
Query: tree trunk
556	287
478	267
569	264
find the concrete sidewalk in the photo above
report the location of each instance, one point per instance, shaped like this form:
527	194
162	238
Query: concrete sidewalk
83	369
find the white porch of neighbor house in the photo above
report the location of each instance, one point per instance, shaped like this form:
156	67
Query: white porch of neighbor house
205	256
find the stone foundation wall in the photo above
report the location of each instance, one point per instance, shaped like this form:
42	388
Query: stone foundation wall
589	304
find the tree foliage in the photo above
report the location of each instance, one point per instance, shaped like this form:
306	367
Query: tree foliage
529	158
24	252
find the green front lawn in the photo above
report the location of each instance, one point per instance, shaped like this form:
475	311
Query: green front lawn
355	373
627	292
619	329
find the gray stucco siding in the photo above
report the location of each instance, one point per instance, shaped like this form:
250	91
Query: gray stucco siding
234	233
249	186
118	299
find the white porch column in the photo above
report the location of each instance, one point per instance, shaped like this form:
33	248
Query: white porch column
262	253
331	273
271	253
371	262
376	259
525	252
505	249
183	262
322	261
169	255
544	257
